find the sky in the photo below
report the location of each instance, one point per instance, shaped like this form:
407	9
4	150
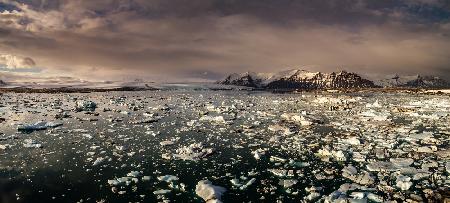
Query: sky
196	40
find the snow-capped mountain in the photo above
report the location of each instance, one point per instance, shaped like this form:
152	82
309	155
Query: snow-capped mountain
298	79
248	79
303	79
414	81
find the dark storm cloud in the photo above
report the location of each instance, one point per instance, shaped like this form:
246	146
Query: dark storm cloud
207	38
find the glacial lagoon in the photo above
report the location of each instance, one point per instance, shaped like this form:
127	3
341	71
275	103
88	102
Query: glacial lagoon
162	146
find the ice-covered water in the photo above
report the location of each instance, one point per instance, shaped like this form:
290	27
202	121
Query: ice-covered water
260	147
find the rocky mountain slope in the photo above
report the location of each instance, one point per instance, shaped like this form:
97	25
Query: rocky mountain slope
2	83
298	79
303	79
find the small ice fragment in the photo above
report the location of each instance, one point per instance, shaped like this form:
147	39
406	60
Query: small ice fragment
288	183
352	141
216	119
166	143
403	182
161	192
168	178
256	155
32	144
134	174
98	161
145	178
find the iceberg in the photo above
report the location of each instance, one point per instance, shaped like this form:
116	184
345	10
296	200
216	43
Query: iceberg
209	192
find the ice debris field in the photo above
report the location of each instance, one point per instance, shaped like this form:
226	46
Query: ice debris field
224	146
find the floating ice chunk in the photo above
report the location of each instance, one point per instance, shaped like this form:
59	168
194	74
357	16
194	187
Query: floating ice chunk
288	183
281	172
429	164
235	182
365	179
147	114
275	128
421	136
351	173
299	163
358	195
121	147
447	166
166	143
215	119
98	161
190	123
86	106
444	153
375	115
132	177
279	128
125	112
374	197
301	119
324	152
168	178
250	182
376	104
195	151
209	192
358	157
352	141
88	136
161	192
41	125
313	189
401	162
4	146
53	124
256	155
210	107
424	149
134	174
114	182
32	144
381	166
403	182
145	178
339	155
312	196
277	159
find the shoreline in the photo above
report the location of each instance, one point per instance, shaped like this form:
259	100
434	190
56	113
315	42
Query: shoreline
72	90
232	88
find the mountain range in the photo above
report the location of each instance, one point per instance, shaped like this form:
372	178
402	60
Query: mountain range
303	79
